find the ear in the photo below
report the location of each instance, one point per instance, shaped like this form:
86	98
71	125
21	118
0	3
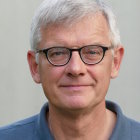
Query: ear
117	59
33	66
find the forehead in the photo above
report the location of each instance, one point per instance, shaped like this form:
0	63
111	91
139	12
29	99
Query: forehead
92	29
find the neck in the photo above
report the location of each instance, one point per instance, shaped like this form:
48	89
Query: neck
82	125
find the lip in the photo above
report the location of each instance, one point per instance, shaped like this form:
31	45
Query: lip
75	87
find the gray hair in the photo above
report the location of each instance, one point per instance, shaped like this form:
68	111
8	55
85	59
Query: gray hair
67	12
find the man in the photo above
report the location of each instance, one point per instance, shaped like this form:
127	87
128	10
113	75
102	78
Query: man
75	51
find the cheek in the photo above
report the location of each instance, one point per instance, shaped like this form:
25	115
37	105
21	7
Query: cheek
105	77
50	75
101	74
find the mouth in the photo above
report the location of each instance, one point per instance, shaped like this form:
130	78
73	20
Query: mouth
75	87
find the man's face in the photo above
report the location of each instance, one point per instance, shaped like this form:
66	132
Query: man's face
76	85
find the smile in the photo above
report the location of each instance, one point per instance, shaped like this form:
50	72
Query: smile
75	87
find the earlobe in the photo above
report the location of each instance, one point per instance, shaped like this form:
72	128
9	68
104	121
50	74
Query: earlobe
118	55
33	66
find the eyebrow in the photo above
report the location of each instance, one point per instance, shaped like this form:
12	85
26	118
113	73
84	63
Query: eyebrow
76	46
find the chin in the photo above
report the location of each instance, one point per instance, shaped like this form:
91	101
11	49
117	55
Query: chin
77	103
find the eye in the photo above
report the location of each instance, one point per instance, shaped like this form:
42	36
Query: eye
91	51
58	54
94	52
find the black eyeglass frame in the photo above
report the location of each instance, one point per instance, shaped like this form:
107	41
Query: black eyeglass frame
45	51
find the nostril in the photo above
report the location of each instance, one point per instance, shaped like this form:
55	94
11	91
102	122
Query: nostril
73	75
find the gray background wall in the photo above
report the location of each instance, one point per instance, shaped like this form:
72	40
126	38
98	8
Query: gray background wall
20	97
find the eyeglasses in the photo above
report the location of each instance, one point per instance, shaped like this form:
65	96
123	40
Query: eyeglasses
60	56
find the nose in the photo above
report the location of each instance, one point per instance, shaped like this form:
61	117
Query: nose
76	66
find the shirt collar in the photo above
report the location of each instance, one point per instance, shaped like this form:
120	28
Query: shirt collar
42	124
122	130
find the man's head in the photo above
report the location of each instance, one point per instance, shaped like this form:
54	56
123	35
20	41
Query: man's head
88	29
67	12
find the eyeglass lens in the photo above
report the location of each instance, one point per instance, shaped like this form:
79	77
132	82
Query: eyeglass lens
88	54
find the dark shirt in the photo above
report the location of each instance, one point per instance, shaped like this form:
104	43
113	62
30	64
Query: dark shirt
36	127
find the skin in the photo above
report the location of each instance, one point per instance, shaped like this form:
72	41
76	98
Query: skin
76	91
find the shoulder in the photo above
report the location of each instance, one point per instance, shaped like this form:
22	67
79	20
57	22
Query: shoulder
135	129
125	128
33	128
19	130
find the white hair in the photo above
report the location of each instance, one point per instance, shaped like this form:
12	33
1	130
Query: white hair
67	12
